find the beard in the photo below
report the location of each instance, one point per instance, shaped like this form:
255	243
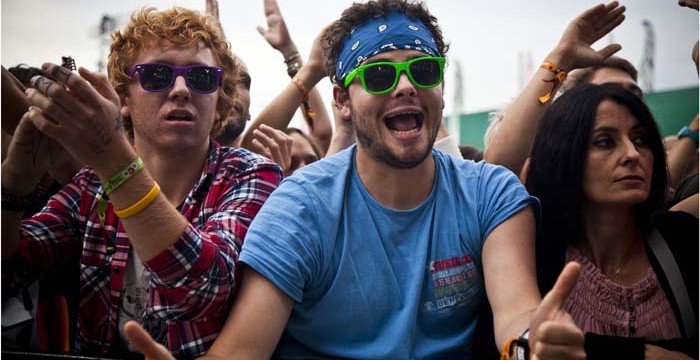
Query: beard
377	148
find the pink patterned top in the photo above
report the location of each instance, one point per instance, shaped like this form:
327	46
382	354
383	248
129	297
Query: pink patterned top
603	307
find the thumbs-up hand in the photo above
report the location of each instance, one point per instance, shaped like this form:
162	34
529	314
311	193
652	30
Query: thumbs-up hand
553	333
144	343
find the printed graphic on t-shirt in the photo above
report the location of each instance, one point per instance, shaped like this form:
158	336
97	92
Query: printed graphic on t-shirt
456	282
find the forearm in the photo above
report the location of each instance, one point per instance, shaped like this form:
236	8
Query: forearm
279	112
511	144
152	229
321	130
679	159
18	186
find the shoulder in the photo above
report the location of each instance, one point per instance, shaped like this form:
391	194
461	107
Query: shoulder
481	171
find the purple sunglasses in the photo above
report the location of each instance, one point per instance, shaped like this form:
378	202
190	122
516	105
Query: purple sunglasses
157	77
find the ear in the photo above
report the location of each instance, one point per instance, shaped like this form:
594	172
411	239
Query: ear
125	110
341	96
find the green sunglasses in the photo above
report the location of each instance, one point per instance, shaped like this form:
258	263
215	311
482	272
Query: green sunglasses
382	77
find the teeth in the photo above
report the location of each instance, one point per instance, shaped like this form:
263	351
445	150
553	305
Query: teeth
399	132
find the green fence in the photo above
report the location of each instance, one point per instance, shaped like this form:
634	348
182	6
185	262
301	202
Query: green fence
672	110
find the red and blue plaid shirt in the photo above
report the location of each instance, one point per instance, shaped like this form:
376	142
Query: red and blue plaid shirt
192	281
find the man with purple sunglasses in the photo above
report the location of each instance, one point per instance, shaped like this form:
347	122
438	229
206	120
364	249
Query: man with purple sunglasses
157	218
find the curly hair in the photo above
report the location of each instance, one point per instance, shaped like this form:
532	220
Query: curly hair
359	13
182	27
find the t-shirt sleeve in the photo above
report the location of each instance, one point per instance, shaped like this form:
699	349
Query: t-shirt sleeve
500	196
283	240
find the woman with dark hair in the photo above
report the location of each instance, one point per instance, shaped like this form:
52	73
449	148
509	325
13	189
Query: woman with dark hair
598	167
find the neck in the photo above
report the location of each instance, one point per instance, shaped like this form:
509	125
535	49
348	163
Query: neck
611	237
176	171
396	188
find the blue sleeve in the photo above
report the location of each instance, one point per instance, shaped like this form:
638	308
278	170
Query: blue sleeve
500	196
282	243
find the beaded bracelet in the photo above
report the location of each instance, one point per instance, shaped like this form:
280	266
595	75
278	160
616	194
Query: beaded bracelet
122	176
559	77
138	206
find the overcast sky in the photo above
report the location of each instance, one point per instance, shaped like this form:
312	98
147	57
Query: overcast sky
486	37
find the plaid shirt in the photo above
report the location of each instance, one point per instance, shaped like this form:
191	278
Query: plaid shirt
192	281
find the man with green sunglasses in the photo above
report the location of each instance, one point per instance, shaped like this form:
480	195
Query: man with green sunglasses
388	249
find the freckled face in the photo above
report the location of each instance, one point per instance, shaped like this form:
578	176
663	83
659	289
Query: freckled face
177	118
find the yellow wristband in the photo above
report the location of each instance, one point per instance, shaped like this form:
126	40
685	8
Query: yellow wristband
559	77
141	204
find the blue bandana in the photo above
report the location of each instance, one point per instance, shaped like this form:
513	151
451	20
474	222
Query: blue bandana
393	31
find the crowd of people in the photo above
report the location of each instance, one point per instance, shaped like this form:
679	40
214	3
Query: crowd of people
175	228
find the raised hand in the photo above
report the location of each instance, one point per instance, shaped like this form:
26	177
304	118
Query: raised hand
82	112
693	4
574	48
553	333
212	8
276	33
274	144
31	153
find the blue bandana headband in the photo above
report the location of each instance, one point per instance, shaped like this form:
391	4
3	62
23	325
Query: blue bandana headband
393	31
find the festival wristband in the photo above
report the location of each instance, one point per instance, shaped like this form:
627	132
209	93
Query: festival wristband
123	175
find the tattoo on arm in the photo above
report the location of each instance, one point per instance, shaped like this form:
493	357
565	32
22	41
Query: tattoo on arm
103	139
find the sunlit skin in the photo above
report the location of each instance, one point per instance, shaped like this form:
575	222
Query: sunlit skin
619	163
302	153
419	109
178	119
614	75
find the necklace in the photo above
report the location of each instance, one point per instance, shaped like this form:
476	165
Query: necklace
586	251
625	260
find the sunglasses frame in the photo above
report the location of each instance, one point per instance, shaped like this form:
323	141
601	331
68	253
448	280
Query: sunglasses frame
400	67
177	71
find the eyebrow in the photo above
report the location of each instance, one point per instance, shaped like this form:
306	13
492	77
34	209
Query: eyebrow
382	59
610	129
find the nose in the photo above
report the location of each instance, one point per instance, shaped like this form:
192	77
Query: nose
180	89
631	153
404	87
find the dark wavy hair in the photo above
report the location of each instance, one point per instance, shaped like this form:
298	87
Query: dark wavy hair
557	163
359	13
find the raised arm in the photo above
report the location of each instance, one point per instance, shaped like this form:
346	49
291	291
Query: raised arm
511	145
279	112
277	35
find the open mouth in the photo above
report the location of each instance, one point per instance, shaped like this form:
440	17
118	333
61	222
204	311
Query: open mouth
404	123
180	116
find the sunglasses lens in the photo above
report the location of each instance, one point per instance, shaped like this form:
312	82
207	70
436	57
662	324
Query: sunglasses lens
156	77
202	79
379	77
425	72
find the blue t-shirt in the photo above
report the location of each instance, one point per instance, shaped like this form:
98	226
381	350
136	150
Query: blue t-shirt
369	282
